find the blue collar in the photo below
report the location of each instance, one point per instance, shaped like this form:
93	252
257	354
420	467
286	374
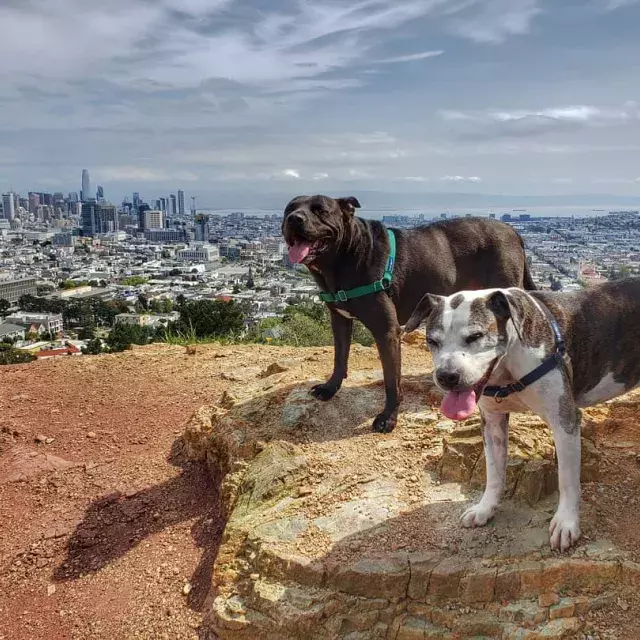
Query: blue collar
547	365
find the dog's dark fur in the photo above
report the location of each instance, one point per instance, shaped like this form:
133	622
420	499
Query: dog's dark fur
440	258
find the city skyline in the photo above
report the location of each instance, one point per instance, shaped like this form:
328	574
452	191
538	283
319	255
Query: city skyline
518	97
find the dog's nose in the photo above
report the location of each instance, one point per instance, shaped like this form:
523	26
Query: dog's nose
448	379
296	218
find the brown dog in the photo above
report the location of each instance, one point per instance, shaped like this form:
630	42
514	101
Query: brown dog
344	252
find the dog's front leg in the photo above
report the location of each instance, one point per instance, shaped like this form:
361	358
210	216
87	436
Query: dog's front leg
342	330
564	529
495	434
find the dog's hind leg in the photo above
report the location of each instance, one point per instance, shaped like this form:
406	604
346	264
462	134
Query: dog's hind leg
388	343
495	433
342	330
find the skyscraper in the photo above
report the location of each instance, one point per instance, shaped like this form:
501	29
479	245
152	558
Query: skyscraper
9	205
86	185
201	225
100	193
163	204
136	201
98	218
153	219
172	205
181	202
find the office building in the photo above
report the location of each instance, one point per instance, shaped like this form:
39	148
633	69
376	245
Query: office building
204	253
136	201
180	202
202	228
13	290
100	193
165	236
9	205
98	218
153	219
34	202
172	205
86	185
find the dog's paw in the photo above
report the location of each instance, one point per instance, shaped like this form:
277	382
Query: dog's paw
323	391
564	530
384	423
477	516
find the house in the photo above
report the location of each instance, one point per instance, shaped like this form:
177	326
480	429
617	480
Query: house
68	350
11	331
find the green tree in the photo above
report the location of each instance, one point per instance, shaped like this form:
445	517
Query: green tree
5	305
9	355
122	336
211	318
134	281
88	332
93	347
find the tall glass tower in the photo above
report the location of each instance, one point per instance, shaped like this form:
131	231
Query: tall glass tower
86	185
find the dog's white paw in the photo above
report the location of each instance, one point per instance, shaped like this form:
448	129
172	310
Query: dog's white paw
564	530
478	515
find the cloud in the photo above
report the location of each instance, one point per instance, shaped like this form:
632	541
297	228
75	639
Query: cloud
291	173
525	122
320	176
129	173
415	179
461	179
493	21
612	5
411	57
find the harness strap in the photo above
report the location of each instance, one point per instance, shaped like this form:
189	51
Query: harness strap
379	285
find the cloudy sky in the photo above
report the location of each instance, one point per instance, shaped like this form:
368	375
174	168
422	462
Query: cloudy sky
538	97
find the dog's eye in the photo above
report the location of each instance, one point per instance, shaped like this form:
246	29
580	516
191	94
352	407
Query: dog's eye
433	344
474	337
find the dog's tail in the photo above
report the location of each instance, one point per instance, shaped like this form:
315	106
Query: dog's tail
527	281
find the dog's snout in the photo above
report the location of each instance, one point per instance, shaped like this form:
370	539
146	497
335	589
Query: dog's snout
295	218
448	379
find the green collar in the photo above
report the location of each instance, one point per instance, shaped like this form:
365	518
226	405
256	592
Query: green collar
379	285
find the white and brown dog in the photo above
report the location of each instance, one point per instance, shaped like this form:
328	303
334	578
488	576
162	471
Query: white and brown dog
509	350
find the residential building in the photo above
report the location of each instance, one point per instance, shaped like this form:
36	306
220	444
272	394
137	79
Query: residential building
9	331
13	290
64	239
137	319
51	322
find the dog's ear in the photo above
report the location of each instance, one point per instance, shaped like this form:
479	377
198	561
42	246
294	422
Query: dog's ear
422	311
505	306
348	205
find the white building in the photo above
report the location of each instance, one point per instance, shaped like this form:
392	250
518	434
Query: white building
153	219
51	322
203	253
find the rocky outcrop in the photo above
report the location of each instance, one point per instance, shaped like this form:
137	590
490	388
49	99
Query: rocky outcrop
336	532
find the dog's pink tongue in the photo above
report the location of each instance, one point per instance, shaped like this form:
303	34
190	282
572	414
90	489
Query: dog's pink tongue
459	405
299	251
